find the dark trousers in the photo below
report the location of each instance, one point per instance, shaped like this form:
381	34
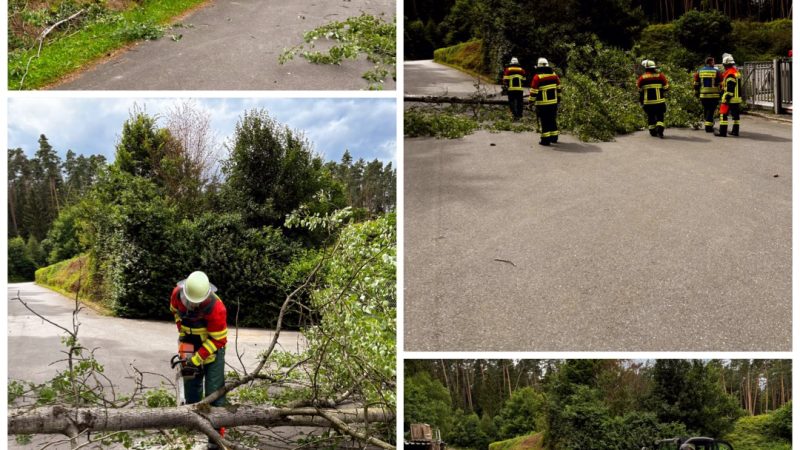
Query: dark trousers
723	120
515	103
709	112
548	119
212	377
655	118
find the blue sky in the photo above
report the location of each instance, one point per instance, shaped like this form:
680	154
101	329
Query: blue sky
367	127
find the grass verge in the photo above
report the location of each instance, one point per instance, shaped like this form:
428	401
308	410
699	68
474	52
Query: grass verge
467	57
528	442
97	39
66	277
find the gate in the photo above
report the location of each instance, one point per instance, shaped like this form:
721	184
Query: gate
763	82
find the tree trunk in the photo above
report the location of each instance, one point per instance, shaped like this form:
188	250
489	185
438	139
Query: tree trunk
62	420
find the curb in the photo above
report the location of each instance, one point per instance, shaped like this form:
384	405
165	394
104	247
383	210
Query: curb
769	117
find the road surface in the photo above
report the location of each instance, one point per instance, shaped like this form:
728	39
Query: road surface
680	244
121	343
234	45
429	78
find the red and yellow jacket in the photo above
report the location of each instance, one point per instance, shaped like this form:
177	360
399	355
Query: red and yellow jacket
205	326
513	77
731	79
545	88
652	87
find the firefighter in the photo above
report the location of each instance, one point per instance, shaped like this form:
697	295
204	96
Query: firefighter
545	94
731	99
513	79
653	87
707	83
202	322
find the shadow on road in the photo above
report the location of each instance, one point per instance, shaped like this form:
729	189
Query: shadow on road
685	138
574	147
760	137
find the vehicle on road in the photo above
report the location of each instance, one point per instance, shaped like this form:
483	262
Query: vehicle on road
699	443
423	437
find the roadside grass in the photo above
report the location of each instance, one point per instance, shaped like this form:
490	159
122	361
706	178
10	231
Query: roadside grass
66	277
529	442
110	32
456	121
467	57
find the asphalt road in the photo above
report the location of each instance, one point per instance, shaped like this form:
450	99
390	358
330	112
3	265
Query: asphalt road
234	45
429	78
148	345
680	244
34	345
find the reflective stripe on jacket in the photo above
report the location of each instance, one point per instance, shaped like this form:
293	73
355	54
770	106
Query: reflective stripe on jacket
708	82
513	77
545	88
206	325
652	87
731	83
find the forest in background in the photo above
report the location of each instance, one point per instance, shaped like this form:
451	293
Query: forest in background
602	404
124	233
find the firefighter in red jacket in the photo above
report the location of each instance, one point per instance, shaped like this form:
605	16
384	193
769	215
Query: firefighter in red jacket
707	82
731	99
513	79
545	94
202	322
653	87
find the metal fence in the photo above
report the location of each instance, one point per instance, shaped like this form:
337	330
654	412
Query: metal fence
765	81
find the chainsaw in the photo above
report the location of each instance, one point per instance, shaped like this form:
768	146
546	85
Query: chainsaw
183	371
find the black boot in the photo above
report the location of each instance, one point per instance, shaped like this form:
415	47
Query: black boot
723	131
660	132
653	132
544	141
554	139
710	129
735	130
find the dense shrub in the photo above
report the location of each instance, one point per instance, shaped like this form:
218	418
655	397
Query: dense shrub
20	265
758	41
763	432
522	414
63	240
426	400
704	32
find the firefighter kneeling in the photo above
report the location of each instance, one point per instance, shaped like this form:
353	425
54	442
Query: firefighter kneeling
545	95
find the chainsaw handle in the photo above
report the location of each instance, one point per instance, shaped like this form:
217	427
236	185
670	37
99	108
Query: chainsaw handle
176	359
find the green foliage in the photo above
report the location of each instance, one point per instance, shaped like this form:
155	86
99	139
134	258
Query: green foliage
426	400
257	394
63	237
690	392
522	414
466	432
704	32
354	339
143	31
759	41
367	35
68	276
418	122
34	252
763	432
271	170
159	398
20	265
467	56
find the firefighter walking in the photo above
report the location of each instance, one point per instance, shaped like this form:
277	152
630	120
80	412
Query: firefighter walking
202	323
731	98
653	87
545	95
707	83
513	79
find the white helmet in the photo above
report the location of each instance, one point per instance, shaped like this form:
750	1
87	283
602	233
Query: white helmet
514	60
196	287
542	62
727	58
649	64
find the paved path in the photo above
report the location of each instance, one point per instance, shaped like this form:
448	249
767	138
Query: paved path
429	78
681	244
234	45
33	344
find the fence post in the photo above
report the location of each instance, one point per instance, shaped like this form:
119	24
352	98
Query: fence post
777	100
